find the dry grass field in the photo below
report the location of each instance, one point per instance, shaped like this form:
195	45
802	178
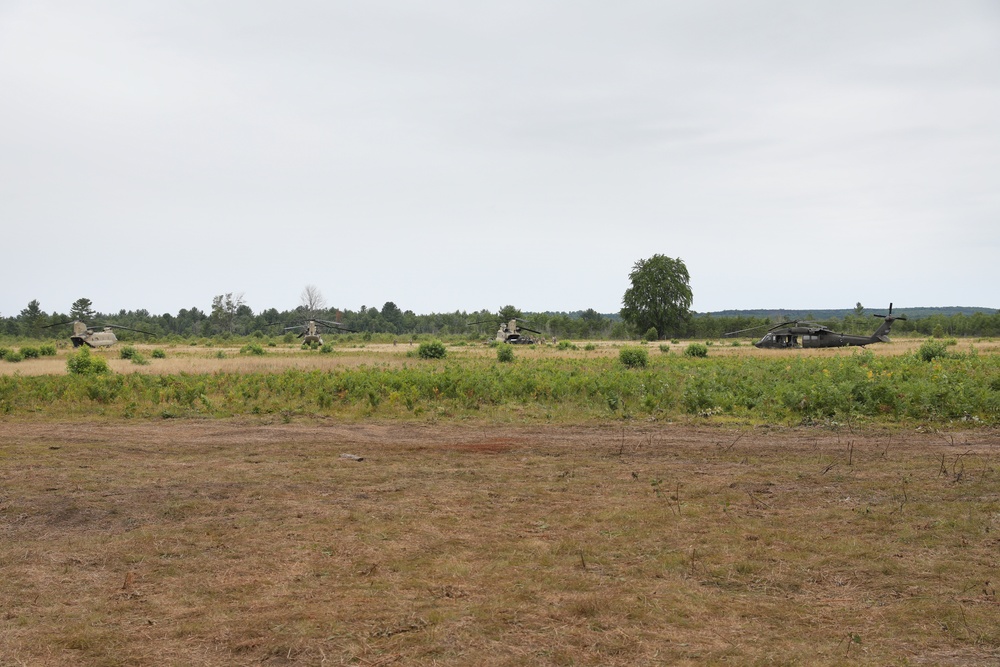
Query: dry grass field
215	542
192	359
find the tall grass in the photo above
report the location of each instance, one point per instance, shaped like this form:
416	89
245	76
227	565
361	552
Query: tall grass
789	390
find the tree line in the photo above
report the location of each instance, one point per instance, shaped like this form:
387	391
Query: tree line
229	315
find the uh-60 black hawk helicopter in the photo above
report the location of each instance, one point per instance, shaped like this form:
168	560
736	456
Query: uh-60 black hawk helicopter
89	336
811	334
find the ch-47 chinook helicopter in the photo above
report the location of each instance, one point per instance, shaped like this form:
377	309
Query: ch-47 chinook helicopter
788	334
89	336
310	330
510	332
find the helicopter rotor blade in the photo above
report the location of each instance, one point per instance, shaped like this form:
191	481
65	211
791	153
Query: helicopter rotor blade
57	324
118	326
336	326
531	330
759	326
739	331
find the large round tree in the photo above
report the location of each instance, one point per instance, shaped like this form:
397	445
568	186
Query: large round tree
660	296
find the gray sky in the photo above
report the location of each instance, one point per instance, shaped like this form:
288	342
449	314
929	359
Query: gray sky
449	155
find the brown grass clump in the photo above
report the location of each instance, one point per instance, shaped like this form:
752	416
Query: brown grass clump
230	543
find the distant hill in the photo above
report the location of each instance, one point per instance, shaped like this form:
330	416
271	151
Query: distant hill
819	314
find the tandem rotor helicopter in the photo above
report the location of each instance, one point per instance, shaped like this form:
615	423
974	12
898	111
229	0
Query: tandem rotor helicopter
788	334
510	332
89	336
310	331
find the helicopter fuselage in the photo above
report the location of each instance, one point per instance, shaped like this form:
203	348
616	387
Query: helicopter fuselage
93	338
826	338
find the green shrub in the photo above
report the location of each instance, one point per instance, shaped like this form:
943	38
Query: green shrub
30	352
735	343
590	347
505	353
326	349
84	363
696	350
566	345
950	341
47	350
159	354
664	348
139	360
433	349
4	351
674	341
252	348
127	352
651	334
13	356
633	357
288	338
932	349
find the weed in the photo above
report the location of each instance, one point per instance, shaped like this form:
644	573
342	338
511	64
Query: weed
505	353
633	357
433	349
84	363
696	350
932	349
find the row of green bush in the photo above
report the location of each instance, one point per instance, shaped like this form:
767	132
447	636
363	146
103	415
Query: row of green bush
27	352
860	386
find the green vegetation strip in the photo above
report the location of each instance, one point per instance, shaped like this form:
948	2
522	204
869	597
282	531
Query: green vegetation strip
786	390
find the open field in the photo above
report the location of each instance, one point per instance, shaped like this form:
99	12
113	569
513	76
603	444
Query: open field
540	385
238	542
202	359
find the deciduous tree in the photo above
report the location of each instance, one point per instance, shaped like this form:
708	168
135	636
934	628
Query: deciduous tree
660	296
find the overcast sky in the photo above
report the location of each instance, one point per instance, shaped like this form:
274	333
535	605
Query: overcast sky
455	155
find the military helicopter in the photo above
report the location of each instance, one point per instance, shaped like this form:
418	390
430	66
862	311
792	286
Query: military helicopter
310	330
89	336
816	335
510	332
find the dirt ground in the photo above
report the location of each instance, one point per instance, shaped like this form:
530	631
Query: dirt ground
232	543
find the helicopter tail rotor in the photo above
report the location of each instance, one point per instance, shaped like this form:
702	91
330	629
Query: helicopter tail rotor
890	315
